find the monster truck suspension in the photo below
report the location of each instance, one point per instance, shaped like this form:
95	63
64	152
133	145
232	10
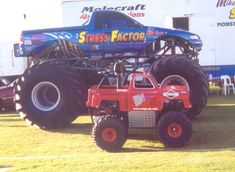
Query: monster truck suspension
170	46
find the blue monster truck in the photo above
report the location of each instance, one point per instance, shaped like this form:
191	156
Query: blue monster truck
65	62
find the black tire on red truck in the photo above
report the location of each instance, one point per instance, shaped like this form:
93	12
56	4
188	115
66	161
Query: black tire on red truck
192	72
174	129
50	95
109	133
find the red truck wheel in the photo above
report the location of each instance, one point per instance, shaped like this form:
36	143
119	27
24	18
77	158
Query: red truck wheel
174	129
109	133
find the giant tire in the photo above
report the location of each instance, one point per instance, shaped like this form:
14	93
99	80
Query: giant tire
189	70
49	95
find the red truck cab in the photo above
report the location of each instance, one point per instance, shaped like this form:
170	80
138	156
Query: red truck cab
140	93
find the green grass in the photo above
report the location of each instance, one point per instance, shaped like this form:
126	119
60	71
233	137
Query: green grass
211	148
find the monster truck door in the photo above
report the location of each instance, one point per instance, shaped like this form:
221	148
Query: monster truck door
93	38
125	34
142	94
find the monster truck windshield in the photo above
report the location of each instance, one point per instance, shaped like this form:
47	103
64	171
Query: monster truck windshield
113	20
86	22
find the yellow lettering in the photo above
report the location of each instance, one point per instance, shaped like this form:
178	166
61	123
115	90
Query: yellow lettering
130	36
82	37
125	37
114	35
232	14
135	37
119	38
141	39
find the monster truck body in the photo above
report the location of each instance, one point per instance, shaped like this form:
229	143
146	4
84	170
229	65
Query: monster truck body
76	55
106	34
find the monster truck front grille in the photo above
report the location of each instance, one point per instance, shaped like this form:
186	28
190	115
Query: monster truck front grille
142	119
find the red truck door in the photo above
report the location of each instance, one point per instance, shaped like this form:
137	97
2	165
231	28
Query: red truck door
142	94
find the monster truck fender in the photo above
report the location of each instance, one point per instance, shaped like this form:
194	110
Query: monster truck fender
38	42
156	33
54	49
42	48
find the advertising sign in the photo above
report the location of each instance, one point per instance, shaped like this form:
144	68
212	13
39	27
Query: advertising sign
225	13
84	9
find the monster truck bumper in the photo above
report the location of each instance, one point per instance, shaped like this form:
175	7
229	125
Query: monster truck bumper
197	44
196	41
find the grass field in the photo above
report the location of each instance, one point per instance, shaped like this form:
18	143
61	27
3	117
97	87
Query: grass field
211	148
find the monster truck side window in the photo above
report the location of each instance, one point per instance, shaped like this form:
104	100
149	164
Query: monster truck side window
119	20
143	82
99	21
114	20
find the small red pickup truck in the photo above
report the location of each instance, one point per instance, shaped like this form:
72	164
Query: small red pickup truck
109	106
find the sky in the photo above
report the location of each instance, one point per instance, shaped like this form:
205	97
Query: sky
39	14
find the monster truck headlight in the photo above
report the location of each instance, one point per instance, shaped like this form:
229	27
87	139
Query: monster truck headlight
195	37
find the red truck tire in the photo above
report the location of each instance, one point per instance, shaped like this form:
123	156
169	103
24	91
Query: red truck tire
174	129
109	133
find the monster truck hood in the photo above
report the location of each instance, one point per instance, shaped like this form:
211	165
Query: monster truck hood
194	39
174	31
